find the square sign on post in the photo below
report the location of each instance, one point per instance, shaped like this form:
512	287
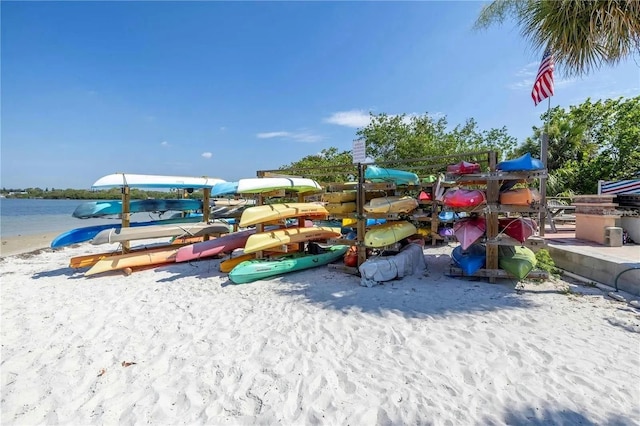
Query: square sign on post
358	152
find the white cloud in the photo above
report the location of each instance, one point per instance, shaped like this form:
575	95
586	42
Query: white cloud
164	143
296	136
269	135
207	154
353	118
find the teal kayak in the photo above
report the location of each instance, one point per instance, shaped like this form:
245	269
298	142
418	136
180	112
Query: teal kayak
399	177
112	207
516	260
256	269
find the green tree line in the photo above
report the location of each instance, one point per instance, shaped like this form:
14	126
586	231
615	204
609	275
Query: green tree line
588	142
83	194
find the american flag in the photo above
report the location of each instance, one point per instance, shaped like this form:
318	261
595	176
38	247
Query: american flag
543	86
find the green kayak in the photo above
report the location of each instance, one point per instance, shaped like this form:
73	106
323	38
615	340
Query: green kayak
516	260
252	270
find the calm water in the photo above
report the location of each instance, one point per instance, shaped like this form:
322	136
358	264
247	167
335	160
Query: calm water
30	217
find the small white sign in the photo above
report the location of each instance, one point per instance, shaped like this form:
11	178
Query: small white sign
359	151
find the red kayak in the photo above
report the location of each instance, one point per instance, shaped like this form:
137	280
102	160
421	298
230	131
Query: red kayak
469	230
463	168
518	228
464	198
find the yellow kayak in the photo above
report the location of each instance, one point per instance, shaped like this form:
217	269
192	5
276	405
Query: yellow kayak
275	238
275	212
341	208
339	197
391	205
388	233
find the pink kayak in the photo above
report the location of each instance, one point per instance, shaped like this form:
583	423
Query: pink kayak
469	230
214	247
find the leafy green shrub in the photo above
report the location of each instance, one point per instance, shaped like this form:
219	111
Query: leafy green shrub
546	263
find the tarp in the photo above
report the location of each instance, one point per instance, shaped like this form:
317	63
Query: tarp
376	270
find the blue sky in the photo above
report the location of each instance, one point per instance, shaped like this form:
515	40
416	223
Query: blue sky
223	89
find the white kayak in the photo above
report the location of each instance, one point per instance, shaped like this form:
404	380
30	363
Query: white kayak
115	235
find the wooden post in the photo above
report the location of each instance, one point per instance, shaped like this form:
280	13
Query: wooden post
493	196
126	216
206	211
362	222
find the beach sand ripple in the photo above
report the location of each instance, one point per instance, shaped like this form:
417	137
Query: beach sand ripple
180	345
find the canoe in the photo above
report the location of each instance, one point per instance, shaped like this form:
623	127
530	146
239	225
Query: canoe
520	197
253	270
224	188
151	257
463	198
275	238
112	207
339	197
470	260
258	185
516	260
80	235
117	235
341	208
391	205
469	230
523	163
214	247
463	168
154	181
388	233
399	177
228	265
275	212
518	228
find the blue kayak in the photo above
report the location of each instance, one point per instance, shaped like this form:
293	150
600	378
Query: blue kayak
113	207
80	235
524	163
399	177
224	188
470	260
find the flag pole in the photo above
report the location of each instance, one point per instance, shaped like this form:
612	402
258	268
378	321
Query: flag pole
544	145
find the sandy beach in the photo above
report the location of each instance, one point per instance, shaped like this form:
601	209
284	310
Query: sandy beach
179	344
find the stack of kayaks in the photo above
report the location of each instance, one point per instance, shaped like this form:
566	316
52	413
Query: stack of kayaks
463	168
389	233
270	239
469	230
399	177
518	228
256	269
80	235
516	260
391	205
470	260
523	163
464	198
520	197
